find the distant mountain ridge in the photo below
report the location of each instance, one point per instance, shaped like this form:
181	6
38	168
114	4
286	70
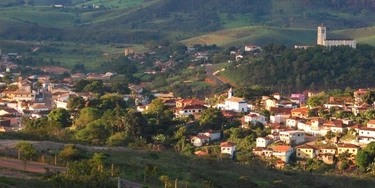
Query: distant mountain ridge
138	21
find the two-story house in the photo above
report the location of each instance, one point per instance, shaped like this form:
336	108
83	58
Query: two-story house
263	141
292	137
253	118
228	148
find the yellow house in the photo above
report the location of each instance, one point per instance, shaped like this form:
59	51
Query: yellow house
305	151
350	148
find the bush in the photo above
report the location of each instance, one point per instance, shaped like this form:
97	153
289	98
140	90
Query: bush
343	165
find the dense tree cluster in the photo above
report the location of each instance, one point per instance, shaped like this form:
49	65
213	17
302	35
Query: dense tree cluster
290	70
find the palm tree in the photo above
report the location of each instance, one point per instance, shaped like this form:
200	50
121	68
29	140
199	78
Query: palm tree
165	179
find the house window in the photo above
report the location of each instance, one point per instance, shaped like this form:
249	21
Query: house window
228	149
199	110
223	149
193	110
353	150
339	149
299	154
185	111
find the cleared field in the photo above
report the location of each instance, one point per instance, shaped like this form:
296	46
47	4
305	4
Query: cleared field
362	35
255	35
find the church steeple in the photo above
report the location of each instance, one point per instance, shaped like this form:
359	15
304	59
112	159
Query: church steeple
230	93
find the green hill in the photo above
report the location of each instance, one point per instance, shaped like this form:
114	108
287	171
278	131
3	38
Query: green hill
137	21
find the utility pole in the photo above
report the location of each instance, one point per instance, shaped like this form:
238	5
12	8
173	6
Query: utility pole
118	182
176	183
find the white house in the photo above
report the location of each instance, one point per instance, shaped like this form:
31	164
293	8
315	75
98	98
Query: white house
236	104
251	48
213	134
293	122
228	148
366	135
292	137
254	118
263	141
198	141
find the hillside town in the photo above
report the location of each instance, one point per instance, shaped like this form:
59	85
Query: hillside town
295	126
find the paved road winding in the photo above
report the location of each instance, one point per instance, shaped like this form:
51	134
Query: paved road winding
210	73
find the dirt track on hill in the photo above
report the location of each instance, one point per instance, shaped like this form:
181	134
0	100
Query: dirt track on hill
30	166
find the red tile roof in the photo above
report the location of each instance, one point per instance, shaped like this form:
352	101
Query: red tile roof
347	146
281	148
227	144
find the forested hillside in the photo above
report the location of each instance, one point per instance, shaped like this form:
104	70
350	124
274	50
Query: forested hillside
138	21
289	70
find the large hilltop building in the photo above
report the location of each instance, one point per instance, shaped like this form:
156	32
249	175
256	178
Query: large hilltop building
323	41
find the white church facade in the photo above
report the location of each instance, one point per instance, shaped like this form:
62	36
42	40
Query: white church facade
323	41
233	103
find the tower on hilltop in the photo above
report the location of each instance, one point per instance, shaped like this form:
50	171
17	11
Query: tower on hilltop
322	34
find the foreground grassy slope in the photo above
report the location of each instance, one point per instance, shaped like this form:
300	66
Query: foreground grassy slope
222	172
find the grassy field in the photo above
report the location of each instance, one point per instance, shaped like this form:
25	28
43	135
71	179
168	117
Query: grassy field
90	55
362	35
255	35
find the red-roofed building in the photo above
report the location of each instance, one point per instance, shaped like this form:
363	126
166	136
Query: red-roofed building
283	152
188	102
280	114
300	112
371	123
201	153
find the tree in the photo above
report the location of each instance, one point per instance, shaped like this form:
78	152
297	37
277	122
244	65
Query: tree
96	86
76	103
363	159
134	124
211	118
369	97
83	173
99	159
94	133
70	152
25	151
165	179
156	107
86	116
314	101
61	116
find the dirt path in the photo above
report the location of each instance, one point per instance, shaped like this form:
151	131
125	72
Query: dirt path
30	166
205	41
